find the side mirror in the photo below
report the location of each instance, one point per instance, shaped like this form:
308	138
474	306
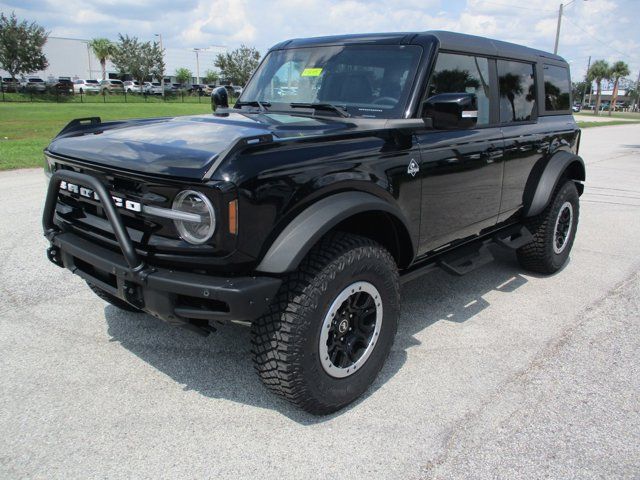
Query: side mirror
219	98
451	111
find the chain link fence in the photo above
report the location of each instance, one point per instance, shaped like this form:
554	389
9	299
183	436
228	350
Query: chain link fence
105	97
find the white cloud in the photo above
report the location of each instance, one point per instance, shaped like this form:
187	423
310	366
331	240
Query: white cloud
600	28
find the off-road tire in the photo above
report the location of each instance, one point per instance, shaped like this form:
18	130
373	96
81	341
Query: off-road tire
539	255
115	301
285	341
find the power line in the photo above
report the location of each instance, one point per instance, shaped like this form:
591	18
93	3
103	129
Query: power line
519	7
606	44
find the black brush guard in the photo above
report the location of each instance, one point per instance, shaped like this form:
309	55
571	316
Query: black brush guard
180	298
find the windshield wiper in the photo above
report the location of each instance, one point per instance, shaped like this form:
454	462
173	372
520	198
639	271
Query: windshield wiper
255	103
339	109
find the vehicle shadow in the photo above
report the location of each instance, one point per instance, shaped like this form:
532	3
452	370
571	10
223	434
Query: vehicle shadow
219	366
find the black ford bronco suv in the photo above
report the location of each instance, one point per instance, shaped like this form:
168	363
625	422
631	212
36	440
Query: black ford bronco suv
348	165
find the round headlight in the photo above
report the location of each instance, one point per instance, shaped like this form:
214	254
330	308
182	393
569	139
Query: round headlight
199	223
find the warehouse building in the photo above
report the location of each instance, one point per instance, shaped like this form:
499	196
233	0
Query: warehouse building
72	57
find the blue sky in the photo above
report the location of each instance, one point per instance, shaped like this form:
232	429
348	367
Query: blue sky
606	29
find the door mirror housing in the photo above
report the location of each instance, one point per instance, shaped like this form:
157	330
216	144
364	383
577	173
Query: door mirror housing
452	111
219	98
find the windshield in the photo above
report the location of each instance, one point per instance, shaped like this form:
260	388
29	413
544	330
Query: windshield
364	80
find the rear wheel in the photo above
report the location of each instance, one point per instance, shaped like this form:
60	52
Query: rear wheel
554	231
332	325
115	301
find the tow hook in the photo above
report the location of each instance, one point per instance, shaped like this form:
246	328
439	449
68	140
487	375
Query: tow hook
133	294
53	254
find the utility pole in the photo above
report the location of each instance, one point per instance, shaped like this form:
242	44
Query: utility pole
584	96
197	65
159	35
636	101
560	10
555	48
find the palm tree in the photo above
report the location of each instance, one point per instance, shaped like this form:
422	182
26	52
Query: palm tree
510	86
598	71
619	70
102	49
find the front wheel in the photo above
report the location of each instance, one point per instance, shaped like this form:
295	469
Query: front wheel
554	231
331	327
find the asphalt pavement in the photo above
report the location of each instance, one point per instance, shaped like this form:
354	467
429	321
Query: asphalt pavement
497	374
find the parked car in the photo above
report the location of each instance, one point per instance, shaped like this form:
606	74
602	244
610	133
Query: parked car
132	86
111	86
152	88
198	89
233	90
10	85
33	84
576	107
178	87
304	224
86	86
209	88
61	85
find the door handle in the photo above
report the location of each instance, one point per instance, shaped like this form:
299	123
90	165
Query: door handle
493	154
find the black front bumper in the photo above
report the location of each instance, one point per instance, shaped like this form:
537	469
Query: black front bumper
180	298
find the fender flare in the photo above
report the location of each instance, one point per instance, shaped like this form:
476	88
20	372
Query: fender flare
550	177
303	232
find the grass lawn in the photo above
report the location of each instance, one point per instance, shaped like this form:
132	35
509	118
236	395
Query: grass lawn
631	115
27	128
605	124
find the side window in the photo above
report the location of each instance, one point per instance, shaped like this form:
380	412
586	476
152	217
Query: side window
517	91
456	73
557	88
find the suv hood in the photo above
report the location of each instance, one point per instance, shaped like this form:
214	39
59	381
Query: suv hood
185	147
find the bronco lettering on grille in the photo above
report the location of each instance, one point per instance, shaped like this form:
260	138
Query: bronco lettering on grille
119	202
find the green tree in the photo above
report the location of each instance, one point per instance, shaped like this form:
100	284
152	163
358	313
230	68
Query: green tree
103	49
183	75
138	59
510	86
634	94
598	72
156	58
21	45
237	66
579	90
211	76
618	70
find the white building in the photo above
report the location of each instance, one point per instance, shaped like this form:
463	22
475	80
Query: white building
72	57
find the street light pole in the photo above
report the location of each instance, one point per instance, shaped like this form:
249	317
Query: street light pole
89	58
197	65
159	35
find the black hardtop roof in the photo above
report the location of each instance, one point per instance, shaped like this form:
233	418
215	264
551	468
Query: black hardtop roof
447	41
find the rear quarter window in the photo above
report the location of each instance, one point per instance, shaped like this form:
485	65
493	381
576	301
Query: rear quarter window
517	91
557	88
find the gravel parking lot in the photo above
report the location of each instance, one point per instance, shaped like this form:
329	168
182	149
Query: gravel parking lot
498	374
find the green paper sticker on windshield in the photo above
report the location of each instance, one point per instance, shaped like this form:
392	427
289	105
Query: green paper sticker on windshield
311	72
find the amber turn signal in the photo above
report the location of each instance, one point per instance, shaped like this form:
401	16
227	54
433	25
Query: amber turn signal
233	217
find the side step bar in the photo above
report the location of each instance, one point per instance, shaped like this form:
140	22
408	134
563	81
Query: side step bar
466	258
465	261
514	238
